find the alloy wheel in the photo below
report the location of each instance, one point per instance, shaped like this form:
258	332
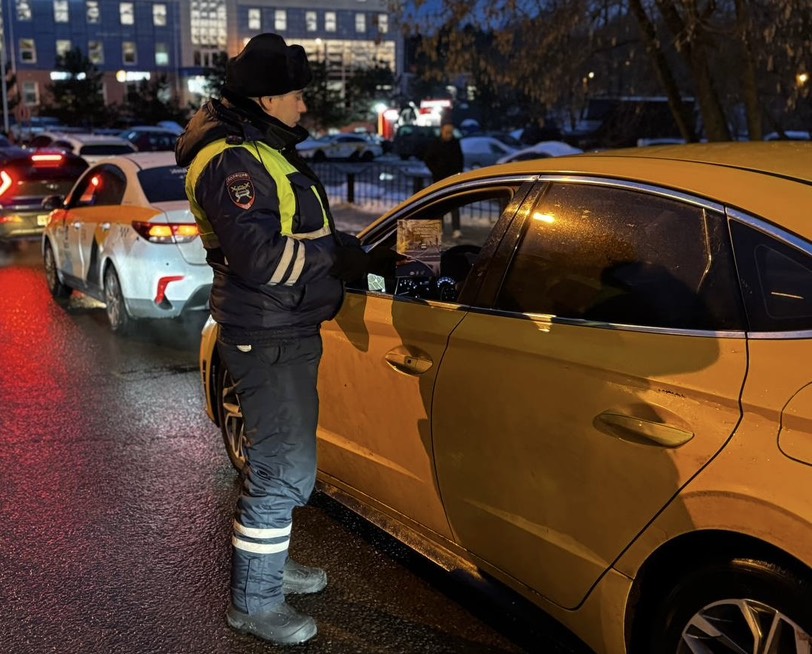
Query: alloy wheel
231	421
743	626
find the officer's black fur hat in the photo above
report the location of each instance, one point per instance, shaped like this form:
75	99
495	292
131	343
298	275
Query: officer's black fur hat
268	66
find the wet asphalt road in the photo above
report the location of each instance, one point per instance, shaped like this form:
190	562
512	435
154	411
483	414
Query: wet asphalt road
116	501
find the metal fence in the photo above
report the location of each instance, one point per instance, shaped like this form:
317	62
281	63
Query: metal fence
374	185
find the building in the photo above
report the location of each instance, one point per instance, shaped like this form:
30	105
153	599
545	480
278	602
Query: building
133	41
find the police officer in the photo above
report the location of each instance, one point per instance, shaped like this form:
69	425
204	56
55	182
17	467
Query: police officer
278	268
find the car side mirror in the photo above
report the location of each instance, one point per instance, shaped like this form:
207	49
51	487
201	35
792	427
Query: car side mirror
53	202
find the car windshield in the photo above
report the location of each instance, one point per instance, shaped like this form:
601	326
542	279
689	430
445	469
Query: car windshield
164	184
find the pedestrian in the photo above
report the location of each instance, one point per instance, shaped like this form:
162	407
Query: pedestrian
444	158
278	264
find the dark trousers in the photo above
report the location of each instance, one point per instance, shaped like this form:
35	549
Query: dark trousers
276	386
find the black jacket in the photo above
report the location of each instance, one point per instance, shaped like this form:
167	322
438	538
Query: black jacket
444	158
267	286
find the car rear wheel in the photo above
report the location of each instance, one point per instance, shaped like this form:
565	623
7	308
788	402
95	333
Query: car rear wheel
367	156
120	320
58	290
319	156
742	605
232	426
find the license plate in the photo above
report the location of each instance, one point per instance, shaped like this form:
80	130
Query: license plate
42	220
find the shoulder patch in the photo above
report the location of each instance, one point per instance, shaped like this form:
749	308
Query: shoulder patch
241	190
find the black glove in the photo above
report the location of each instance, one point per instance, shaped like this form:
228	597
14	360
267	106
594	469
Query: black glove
382	261
351	263
347	240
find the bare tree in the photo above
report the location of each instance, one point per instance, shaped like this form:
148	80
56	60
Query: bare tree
748	58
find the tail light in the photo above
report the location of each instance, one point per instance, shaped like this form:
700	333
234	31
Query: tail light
6	182
166	233
47	160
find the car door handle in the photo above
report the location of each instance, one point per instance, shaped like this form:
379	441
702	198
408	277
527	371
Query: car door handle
639	430
410	363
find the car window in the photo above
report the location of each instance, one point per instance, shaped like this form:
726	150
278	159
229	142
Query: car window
437	264
101	186
163	184
623	256
776	280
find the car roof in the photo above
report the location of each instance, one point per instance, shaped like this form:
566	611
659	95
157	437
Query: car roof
762	157
772	180
142	160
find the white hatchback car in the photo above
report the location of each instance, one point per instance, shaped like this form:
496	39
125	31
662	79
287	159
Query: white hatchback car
125	236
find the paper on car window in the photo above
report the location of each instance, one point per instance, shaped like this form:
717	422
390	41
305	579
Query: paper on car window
420	241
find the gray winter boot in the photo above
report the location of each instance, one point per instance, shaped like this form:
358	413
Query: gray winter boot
280	624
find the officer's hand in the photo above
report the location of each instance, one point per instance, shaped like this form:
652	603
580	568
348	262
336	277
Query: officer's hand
351	263
382	261
347	240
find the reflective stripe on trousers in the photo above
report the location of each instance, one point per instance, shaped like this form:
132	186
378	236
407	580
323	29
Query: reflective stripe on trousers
276	385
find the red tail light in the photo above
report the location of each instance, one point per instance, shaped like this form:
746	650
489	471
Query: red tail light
166	233
163	282
47	160
6	182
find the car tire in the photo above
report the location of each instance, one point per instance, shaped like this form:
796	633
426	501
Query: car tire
367	156
58	290
115	307
319	156
719	607
229	412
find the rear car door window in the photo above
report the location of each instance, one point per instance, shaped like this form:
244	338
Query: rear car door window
623	256
776	279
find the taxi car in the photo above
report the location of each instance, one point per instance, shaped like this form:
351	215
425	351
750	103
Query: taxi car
125	235
602	401
354	147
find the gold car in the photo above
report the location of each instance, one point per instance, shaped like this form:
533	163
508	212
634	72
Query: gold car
600	396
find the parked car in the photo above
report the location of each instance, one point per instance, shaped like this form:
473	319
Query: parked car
478	151
26	179
602	403
355	147
125	236
541	151
91	147
22	132
150	139
412	140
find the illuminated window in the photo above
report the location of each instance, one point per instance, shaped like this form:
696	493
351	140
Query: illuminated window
93	13
208	23
95	52
280	20
30	93
161	54
383	23
61	11
128	52
28	51
311	21
126	11
62	47
23	9
159	15
254	19
329	21
360	23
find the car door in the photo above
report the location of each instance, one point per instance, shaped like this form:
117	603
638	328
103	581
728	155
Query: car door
601	373
90	219
380	359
